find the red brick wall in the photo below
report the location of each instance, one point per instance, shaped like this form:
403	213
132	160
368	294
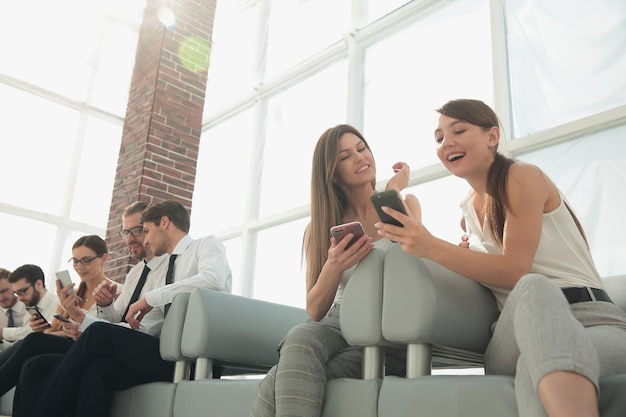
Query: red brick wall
163	122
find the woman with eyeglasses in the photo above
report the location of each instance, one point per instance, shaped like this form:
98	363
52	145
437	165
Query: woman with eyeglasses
89	255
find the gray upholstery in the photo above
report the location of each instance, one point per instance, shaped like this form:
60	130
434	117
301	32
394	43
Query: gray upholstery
236	332
215	398
435	312
440	317
157	399
361	310
6	403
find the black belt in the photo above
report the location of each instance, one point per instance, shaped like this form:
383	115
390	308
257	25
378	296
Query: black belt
582	294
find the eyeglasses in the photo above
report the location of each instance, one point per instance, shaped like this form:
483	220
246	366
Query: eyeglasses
85	261
22	291
135	231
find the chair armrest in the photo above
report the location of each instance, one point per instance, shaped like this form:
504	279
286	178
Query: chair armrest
236	332
426	303
171	336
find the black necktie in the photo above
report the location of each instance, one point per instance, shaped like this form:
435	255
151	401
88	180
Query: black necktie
169	276
11	322
138	287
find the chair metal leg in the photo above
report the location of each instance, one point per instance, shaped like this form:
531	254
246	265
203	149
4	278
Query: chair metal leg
373	362
418	360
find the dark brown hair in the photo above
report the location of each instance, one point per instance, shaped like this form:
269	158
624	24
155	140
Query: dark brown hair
96	244
174	211
496	200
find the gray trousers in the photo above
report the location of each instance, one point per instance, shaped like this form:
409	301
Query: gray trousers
311	354
539	332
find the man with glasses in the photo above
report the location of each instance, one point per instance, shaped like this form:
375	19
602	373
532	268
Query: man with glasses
106	357
29	288
145	276
152	268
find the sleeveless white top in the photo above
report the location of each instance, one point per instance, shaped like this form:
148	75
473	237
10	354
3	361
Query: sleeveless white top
382	245
562	254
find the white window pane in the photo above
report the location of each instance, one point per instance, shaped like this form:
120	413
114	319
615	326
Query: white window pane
39	137
444	57
96	172
223	170
371	10
116	59
233	254
299	29
232	71
19	247
440	199
279	275
567	60
296	119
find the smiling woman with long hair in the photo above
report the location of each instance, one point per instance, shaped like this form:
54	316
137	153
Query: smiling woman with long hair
343	180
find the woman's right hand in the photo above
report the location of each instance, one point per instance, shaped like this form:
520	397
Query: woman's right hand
342	257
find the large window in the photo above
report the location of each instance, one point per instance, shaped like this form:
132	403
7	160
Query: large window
552	70
64	78
281	72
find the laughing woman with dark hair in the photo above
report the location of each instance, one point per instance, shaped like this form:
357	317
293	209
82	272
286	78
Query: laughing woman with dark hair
558	330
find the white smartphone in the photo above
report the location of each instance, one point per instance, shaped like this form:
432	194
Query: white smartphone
65	280
341	230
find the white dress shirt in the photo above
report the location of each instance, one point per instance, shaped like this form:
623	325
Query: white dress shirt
47	304
199	263
153	321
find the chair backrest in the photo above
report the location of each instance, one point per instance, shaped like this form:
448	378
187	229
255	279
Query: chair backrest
238	333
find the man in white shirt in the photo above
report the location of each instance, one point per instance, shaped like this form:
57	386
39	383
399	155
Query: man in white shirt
109	309
29	286
113	310
106	357
12	310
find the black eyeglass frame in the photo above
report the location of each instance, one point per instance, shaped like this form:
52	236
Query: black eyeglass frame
134	231
84	261
23	291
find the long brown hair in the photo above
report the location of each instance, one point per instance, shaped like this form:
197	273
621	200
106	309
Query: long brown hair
327	198
496	199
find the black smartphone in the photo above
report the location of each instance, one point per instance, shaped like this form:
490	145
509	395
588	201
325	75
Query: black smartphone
65	280
34	311
341	230
62	318
389	198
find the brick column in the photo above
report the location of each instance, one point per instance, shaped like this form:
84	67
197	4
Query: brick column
163	122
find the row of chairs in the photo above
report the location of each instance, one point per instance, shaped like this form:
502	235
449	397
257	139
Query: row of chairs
392	301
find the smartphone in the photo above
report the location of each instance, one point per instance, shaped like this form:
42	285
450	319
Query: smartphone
389	198
341	230
34	311
65	280
62	318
